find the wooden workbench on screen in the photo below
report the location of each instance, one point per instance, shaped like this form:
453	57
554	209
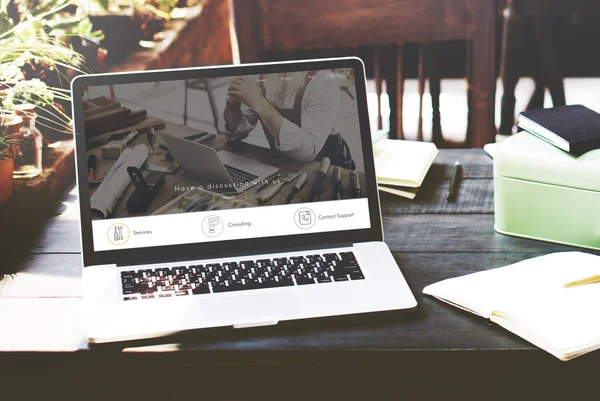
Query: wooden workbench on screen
176	184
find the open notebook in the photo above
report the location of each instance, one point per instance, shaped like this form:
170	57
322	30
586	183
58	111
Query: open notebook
529	299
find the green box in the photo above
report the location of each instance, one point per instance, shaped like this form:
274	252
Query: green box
543	193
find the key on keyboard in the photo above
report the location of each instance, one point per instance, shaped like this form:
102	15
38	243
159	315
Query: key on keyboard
182	281
239	176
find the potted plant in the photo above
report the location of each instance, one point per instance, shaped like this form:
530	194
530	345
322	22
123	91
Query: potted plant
9	128
33	61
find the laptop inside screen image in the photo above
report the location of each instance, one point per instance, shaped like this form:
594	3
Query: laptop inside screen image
227	158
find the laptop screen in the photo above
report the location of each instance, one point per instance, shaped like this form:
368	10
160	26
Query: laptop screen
228	158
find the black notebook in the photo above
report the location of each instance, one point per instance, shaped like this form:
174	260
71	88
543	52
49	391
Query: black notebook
574	129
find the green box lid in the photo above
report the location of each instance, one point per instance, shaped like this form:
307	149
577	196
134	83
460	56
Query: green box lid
525	157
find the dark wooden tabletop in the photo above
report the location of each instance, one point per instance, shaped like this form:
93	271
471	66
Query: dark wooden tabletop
362	356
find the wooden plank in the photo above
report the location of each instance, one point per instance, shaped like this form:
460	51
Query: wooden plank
102	116
142	127
351	22
474	196
456	233
101	109
465	156
46	276
245	26
122	119
69	204
482	74
60	235
474	171
101	101
399	91
475	163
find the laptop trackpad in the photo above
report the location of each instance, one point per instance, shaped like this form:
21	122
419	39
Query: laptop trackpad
253	308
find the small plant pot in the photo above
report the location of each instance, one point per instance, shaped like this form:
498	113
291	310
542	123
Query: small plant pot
10	126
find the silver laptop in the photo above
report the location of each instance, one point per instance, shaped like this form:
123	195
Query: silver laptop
153	275
234	172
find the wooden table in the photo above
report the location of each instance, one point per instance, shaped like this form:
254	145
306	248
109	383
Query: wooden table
435	352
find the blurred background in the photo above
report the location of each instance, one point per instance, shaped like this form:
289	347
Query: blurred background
455	72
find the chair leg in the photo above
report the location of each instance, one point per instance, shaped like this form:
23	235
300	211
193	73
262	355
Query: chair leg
435	88
185	102
483	78
422	51
553	77
469	92
536	101
399	90
378	85
394	82
509	69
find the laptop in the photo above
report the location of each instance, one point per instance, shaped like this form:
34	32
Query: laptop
147	276
223	167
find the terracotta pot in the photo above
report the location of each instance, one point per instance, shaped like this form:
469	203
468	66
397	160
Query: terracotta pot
10	126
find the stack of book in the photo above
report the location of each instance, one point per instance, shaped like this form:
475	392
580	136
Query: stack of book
574	129
401	165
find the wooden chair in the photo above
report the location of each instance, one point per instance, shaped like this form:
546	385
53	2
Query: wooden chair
269	25
208	86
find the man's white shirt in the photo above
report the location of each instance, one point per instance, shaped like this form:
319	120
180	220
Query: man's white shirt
320	117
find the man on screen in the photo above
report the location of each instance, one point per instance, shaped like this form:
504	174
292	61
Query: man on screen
299	113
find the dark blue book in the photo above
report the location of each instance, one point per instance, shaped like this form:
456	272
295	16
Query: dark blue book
574	129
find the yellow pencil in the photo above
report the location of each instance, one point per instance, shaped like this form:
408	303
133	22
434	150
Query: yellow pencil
583	281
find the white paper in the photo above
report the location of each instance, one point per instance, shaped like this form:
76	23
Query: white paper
116	181
403	163
529	299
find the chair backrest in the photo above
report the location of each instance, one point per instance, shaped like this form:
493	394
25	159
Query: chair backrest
262	25
259	26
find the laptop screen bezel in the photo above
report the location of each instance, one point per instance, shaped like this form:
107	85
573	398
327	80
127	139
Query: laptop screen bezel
196	251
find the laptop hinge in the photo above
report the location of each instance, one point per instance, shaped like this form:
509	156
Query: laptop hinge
234	254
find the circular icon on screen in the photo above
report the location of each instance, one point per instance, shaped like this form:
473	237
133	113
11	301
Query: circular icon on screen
305	218
118	234
212	226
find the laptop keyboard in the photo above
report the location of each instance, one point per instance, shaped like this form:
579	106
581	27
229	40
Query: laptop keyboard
210	278
239	176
